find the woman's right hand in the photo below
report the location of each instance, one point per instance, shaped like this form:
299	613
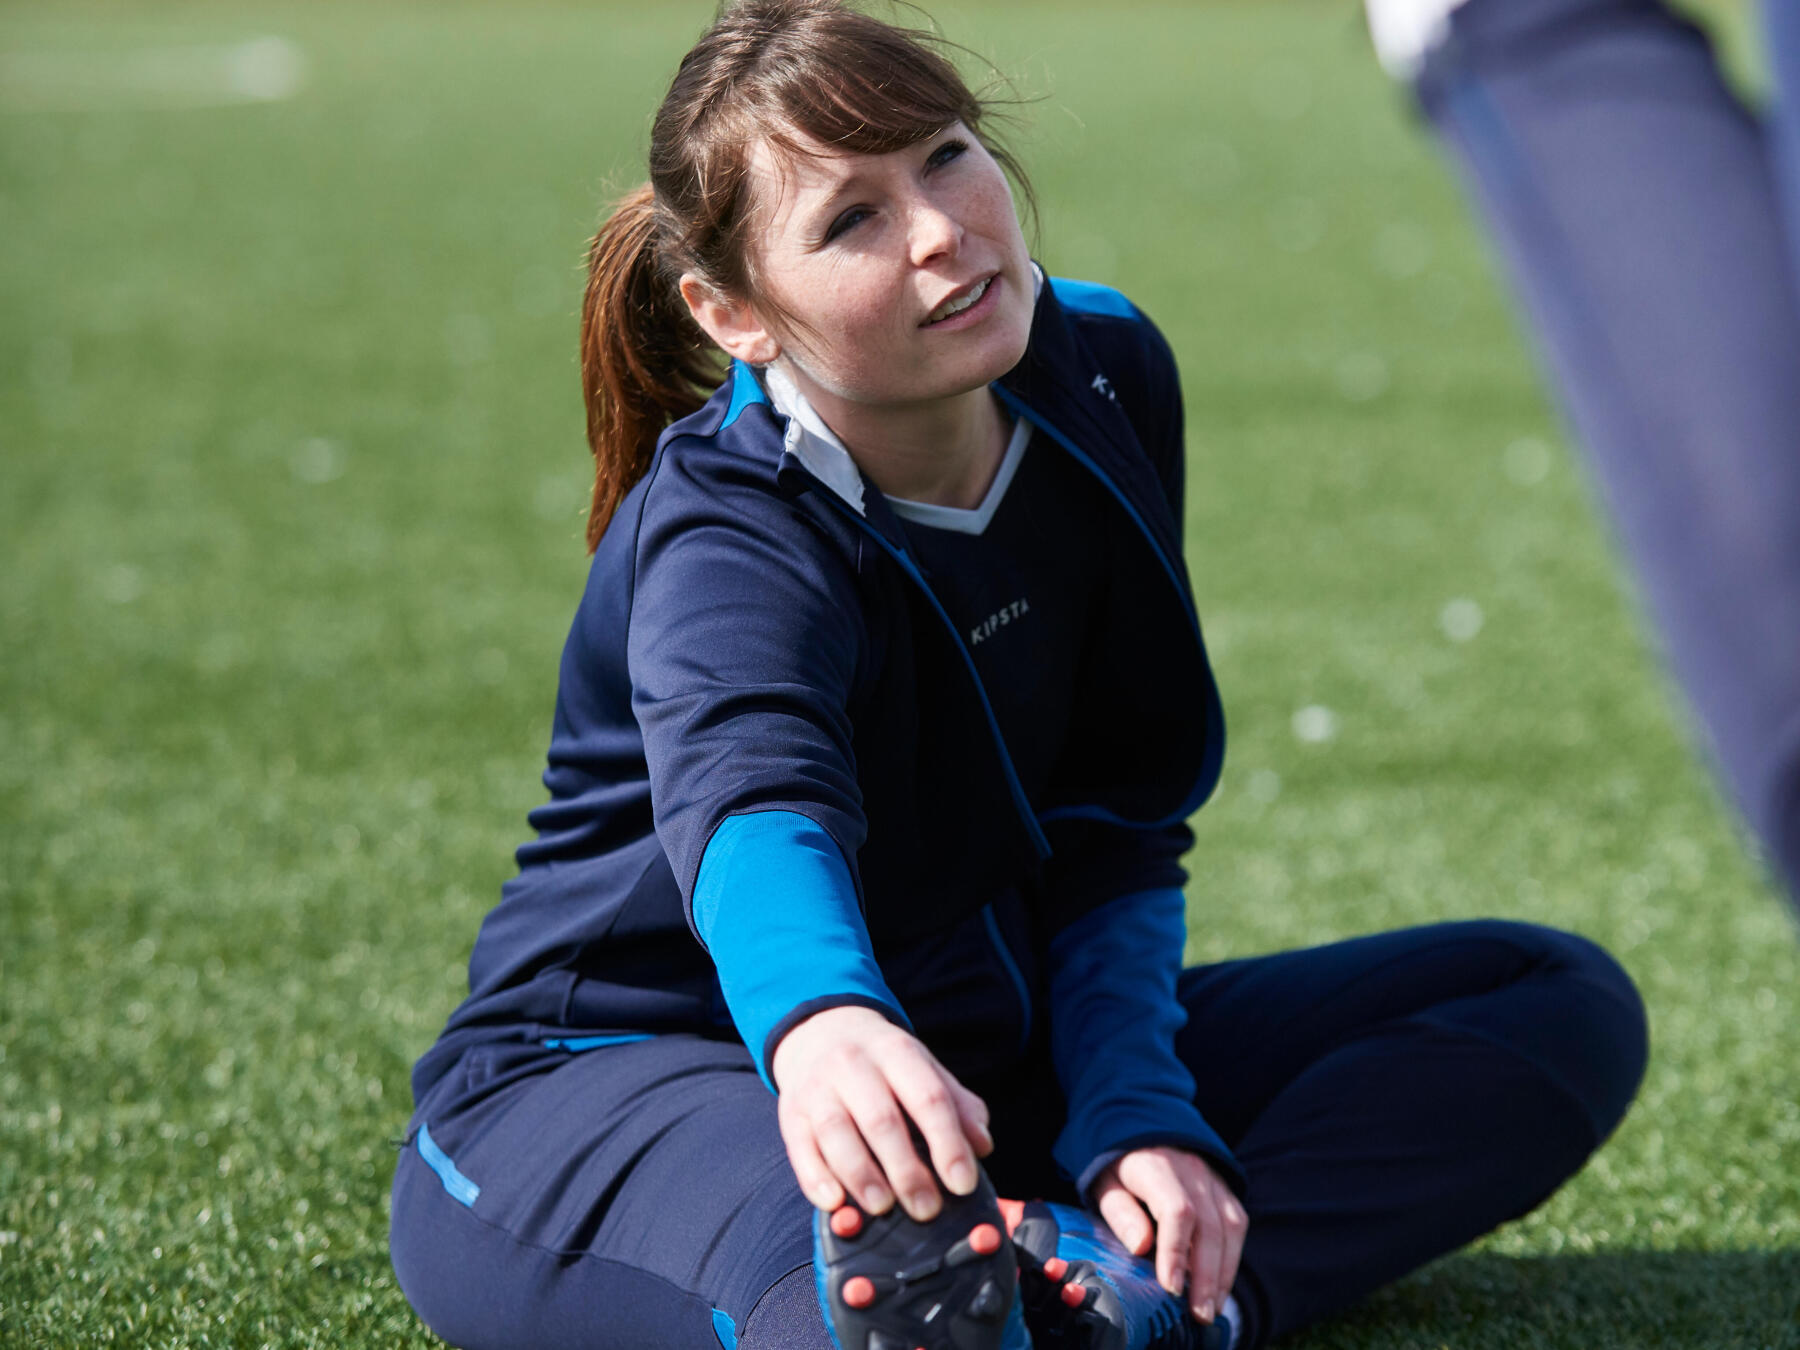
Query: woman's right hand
848	1081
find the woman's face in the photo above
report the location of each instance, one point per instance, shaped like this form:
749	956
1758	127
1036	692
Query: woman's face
905	275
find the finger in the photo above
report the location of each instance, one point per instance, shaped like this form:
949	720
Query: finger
1174	1243
1125	1216
925	1095
817	1183
884	1128
847	1155
1169	1203
1209	1246
1236	1224
973	1113
971	1110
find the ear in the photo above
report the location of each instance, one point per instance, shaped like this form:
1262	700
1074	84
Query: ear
730	323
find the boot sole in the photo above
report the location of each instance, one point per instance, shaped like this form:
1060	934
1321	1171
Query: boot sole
888	1283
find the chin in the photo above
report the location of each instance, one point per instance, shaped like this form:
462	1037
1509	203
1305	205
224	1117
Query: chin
983	371
1010	341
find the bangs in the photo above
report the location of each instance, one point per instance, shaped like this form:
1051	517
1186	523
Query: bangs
881	89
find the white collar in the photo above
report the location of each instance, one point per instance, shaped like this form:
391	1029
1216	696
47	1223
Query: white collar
814	444
970	519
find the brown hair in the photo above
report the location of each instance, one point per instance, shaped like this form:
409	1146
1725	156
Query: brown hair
770	70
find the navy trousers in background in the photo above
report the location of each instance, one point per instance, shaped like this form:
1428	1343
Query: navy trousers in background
1639	209
1391	1098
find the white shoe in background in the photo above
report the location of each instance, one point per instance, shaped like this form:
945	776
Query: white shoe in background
1404	30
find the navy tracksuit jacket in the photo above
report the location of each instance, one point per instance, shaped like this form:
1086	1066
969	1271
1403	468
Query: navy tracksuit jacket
752	817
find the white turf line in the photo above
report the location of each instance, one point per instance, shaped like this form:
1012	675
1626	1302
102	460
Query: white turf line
260	70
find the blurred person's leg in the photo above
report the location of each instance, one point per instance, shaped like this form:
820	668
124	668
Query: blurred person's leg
1634	200
1781	32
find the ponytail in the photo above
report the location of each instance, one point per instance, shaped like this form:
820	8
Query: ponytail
644	361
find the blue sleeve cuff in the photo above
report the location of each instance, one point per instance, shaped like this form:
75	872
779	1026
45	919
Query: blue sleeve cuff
1114	1015
777	908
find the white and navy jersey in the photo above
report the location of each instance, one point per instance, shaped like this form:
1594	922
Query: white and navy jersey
1020	576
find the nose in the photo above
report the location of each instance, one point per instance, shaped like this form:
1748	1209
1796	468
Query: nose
933	233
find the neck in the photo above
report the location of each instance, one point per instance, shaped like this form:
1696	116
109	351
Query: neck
945	451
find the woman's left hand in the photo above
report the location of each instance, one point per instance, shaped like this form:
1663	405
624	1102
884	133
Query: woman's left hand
1196	1220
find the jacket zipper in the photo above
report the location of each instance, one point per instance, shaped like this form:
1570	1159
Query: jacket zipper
1011	967
1022	409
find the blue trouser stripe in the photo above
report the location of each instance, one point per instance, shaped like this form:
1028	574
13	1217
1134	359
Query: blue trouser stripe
595	1042
459	1186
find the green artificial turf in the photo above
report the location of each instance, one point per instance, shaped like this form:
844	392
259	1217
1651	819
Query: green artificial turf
291	474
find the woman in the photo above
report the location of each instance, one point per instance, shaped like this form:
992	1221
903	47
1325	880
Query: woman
878	728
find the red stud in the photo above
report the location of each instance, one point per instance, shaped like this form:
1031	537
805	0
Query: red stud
1074	1295
1056	1267
846	1221
859	1291
984	1239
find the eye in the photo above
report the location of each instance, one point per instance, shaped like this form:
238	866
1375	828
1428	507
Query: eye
949	150
846	221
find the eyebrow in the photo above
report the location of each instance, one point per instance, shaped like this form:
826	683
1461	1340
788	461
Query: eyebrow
854	184
830	200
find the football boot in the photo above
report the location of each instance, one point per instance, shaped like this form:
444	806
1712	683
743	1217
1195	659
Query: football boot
887	1282
1082	1289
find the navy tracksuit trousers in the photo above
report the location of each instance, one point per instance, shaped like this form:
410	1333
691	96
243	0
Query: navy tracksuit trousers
1640	209
1390	1098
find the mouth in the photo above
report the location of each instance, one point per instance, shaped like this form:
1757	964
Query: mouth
960	301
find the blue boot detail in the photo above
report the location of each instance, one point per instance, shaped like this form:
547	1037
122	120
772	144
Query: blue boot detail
1083	1290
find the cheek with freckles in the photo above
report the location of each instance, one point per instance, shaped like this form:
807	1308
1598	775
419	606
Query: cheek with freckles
844	337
